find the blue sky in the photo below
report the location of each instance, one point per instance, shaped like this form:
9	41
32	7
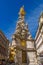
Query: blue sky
9	14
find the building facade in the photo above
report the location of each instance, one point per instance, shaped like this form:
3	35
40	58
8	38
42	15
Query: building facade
39	40
23	43
4	43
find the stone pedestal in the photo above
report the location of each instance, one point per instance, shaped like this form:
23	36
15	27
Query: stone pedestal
32	58
31	53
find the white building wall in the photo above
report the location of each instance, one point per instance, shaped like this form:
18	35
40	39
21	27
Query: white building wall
42	29
39	42
38	38
39	50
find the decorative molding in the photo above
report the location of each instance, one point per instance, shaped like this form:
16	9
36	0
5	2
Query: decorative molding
40	45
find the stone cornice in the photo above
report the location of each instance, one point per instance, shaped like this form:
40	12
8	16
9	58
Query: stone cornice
25	49
30	40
